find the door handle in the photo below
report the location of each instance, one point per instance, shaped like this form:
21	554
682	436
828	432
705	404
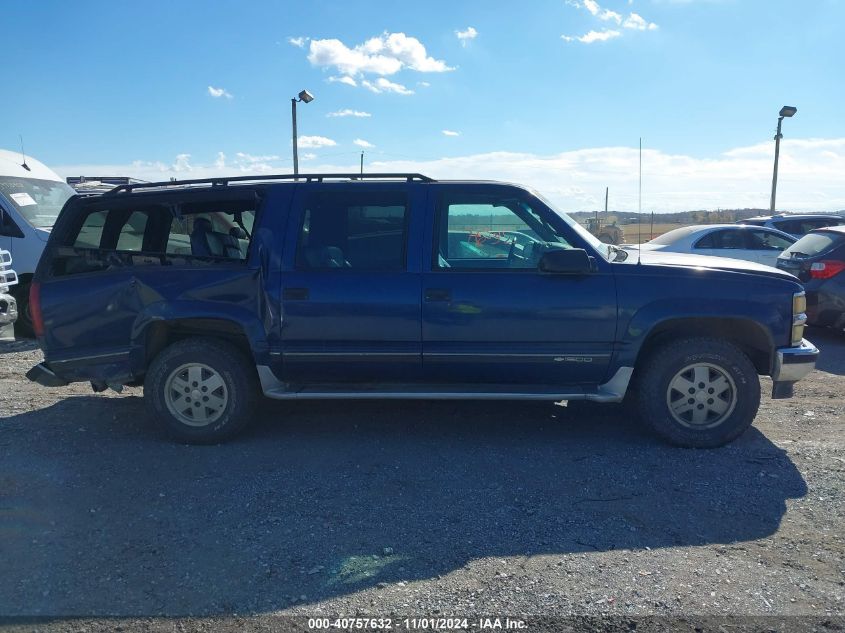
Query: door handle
438	294
295	294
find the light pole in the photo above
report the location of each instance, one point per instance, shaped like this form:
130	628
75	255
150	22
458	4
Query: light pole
305	97
785	111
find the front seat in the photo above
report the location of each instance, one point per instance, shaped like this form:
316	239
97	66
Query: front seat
201	238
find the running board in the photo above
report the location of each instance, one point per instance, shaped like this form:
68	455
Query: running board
611	391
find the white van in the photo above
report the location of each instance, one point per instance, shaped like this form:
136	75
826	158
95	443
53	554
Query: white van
31	196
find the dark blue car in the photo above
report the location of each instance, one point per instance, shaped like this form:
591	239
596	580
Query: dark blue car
209	293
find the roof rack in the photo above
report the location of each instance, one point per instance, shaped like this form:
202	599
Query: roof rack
223	181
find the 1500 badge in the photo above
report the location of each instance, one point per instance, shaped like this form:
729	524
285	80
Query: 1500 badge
573	359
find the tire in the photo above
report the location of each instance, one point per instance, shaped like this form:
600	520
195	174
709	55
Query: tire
223	390
672	401
23	324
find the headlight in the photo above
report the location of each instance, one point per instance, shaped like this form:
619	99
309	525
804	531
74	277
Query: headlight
799	317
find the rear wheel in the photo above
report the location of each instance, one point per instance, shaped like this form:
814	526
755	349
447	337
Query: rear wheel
699	392
201	390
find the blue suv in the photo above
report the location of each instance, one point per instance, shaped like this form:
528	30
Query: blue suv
336	286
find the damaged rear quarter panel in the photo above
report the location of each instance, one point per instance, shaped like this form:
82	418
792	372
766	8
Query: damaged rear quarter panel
95	324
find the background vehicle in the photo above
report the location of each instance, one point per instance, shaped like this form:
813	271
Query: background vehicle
8	305
399	286
752	244
607	233
818	260
796	224
31	196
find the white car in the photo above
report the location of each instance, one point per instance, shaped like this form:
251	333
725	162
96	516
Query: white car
737	241
31	196
8	304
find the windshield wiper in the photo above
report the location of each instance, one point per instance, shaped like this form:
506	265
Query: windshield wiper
795	254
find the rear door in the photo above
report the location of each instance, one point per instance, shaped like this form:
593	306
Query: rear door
489	315
728	242
351	284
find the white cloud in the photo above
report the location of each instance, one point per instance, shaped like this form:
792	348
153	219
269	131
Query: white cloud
218	92
313	142
362	143
451	133
385	54
634	21
591	6
423	84
249	158
182	163
308	156
809	178
347	112
383	85
349	81
466	36
638	23
299	42
593	36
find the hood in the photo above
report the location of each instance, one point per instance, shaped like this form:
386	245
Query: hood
666	258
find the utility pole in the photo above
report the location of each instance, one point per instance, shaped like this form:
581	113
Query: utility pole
295	138
606	192
362	162
305	97
785	111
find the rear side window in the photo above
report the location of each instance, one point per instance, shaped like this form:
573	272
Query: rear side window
766	241
788	226
357	230
157	234
815	244
730	239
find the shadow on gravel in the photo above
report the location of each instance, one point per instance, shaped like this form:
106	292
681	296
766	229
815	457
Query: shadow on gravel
831	344
99	514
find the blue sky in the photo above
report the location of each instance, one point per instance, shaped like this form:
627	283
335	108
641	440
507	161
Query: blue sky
568	86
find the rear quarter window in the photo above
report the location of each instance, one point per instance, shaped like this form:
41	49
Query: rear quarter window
190	233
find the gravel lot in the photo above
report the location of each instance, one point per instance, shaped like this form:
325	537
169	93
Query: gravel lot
414	508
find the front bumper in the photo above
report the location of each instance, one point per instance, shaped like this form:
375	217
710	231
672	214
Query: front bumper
791	365
8	309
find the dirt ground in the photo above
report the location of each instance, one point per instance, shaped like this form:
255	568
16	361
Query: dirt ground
412	508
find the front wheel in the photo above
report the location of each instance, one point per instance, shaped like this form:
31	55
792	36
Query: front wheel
699	392
201	390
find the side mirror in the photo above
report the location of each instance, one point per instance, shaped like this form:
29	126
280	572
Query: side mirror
571	261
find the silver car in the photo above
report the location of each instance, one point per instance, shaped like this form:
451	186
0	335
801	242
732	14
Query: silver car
737	241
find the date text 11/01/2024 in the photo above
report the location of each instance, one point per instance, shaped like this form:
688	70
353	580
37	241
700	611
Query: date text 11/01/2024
431	624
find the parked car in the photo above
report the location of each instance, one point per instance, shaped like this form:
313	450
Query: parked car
752	244
8	304
31	196
399	286
818	260
796	224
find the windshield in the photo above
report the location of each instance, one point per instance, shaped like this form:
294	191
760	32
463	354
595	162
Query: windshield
813	244
608	251
38	201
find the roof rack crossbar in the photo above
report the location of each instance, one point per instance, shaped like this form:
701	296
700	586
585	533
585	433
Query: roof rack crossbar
223	181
